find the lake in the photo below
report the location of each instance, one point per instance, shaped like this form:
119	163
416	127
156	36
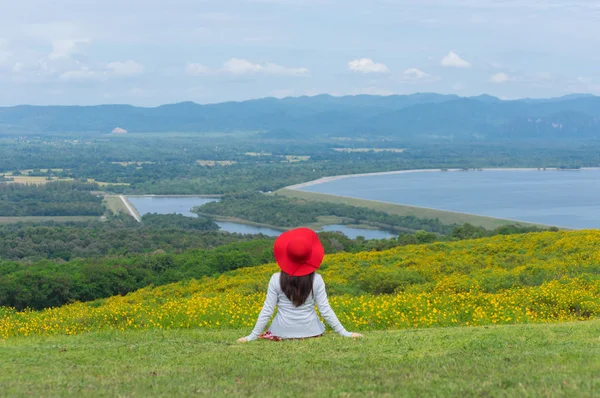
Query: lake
565	198
183	205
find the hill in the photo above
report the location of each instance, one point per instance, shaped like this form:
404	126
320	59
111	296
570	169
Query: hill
415	117
179	339
528	278
519	360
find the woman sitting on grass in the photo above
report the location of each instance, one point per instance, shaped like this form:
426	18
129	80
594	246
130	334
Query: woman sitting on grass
295	291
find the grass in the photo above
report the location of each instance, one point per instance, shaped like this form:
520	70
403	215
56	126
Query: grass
376	150
551	360
24	179
115	205
334	220
294	158
446	217
215	162
125	164
36	180
7	220
104	184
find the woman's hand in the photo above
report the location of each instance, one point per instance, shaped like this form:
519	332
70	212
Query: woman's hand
242	340
356	335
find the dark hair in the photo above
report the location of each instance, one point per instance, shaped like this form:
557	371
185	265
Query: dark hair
296	288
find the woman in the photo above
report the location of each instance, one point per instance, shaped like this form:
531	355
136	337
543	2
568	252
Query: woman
295	291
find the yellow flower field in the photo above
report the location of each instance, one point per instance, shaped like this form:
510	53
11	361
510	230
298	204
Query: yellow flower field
543	277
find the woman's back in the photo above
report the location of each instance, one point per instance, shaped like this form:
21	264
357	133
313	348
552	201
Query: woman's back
296	290
300	321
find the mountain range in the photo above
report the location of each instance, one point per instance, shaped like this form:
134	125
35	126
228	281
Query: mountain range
422	116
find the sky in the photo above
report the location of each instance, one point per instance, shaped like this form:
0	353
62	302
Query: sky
152	52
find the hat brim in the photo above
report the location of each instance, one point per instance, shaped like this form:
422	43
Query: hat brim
292	267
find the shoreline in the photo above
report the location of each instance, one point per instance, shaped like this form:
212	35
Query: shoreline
454	170
131	208
234	220
206	196
458	212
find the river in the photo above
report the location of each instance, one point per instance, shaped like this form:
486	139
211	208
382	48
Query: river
184	204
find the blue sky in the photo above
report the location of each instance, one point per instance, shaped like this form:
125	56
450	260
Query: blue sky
150	52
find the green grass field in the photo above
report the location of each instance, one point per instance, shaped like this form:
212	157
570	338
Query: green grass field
7	220
446	217
115	204
551	360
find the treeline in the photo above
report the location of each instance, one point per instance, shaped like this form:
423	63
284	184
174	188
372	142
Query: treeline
118	236
170	162
468	231
51	199
288	212
179	221
49	283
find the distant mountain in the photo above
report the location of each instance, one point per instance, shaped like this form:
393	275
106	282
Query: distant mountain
557	99
422	116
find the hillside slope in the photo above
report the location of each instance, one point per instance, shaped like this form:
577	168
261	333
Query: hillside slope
529	278
518	360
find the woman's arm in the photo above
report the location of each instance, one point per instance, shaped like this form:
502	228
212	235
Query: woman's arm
266	312
325	308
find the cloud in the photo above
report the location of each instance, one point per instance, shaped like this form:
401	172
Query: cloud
416	74
366	65
544	76
500	78
112	69
237	66
5	56
584	80
197	69
127	68
453	60
64	48
18	67
240	66
84	73
5	53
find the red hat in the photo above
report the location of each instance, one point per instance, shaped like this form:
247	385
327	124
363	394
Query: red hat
298	252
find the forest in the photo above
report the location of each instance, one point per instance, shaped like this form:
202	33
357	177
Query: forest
286	212
117	236
110	267
52	199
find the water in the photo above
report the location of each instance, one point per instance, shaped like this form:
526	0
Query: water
567	198
247	229
183	205
168	204
353	233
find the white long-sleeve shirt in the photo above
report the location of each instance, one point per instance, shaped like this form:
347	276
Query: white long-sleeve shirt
296	322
